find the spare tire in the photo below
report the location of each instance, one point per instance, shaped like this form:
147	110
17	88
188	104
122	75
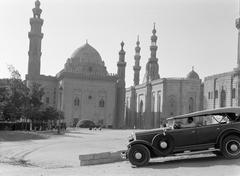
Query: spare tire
164	144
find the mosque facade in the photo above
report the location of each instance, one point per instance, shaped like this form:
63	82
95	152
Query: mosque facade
84	89
151	102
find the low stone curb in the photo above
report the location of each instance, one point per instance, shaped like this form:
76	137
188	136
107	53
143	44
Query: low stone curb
100	158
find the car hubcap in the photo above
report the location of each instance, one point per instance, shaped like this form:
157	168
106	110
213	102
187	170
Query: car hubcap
138	155
163	144
233	147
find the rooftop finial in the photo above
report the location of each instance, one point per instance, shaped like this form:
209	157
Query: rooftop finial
122	44
154	29
138	42
87	41
37	3
192	68
36	10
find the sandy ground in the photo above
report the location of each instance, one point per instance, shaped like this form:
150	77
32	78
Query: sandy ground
50	155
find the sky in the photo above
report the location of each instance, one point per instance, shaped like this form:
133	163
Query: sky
199	33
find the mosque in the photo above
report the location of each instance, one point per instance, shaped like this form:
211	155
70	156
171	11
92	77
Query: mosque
84	89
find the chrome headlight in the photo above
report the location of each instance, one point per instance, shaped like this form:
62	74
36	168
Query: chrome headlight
132	137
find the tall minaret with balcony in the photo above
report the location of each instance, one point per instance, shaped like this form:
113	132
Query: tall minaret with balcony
121	65
120	89
152	64
137	66
35	38
237	70
238	50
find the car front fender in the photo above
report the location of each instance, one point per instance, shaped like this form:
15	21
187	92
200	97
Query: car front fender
139	142
225	133
151	148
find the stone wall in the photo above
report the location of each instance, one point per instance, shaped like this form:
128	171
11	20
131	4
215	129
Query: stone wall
218	90
167	97
89	94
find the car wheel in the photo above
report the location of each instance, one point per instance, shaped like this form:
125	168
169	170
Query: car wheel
164	144
231	147
139	155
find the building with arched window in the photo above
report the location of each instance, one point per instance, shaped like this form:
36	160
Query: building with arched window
222	89
150	103
83	89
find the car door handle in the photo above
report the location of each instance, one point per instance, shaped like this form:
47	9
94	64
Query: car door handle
193	131
218	128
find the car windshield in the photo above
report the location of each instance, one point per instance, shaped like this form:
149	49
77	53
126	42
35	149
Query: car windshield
170	123
220	119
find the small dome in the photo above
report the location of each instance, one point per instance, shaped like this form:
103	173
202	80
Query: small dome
87	54
192	75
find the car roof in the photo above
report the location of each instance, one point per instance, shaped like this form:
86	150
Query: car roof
228	110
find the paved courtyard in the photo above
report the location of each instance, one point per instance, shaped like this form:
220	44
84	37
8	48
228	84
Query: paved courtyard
58	155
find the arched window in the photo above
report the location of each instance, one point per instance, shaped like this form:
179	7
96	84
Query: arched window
223	98
101	103
76	101
172	105
159	103
47	100
153	103
140	116
141	107
190	105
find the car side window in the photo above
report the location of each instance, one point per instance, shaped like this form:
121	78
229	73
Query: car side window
214	119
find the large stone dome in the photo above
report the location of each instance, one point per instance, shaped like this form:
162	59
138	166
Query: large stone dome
87	53
86	59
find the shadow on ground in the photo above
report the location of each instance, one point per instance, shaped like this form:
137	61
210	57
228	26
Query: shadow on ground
191	161
6	136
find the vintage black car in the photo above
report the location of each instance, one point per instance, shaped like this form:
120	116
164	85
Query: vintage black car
215	130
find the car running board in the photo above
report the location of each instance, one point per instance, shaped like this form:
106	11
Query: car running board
188	152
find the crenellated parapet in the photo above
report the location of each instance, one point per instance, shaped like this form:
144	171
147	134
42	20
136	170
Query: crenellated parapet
87	76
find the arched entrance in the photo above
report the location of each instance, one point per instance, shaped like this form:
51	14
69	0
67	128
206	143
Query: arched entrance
140	119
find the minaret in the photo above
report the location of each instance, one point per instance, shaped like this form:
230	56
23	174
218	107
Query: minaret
120	89
121	64
137	66
152	64
238	50
35	37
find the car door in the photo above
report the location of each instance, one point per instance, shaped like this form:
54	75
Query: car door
208	132
184	137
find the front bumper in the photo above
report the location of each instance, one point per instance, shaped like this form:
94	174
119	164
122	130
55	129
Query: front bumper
124	155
